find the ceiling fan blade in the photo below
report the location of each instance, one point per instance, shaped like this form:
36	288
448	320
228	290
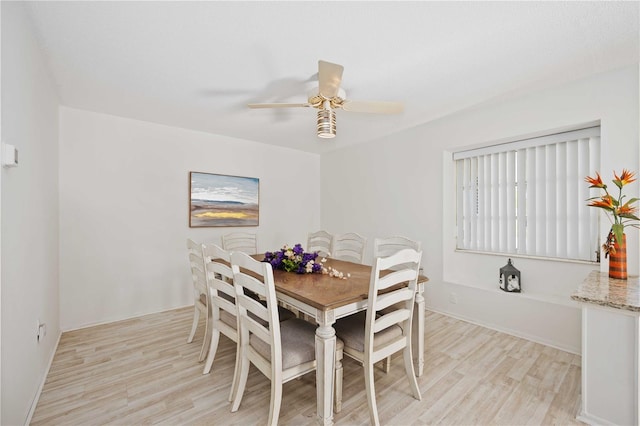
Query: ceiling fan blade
375	107
329	78
278	105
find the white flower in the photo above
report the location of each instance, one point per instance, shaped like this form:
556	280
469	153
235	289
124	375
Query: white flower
332	272
309	266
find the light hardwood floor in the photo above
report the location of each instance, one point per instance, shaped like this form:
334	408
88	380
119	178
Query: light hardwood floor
142	371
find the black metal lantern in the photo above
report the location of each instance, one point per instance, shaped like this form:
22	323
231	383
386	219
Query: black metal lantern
510	278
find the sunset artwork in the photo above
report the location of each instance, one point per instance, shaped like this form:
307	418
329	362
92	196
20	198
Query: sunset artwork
221	200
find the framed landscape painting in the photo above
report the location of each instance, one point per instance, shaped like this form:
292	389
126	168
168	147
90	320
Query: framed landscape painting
221	200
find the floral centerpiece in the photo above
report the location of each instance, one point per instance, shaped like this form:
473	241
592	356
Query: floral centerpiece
621	213
295	259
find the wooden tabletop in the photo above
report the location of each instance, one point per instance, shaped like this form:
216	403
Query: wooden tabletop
324	292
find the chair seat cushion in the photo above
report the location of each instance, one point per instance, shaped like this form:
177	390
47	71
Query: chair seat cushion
351	330
298	343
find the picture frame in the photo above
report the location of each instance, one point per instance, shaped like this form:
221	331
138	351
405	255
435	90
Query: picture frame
223	200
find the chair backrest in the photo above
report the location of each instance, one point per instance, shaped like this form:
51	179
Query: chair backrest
240	241
220	280
349	246
250	275
384	247
397	304
196	261
319	241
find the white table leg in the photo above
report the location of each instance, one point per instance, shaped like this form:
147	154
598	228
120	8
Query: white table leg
325	357
417	338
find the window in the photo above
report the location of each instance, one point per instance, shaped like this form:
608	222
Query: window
528	197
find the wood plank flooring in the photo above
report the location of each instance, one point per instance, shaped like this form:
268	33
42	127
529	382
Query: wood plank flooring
142	371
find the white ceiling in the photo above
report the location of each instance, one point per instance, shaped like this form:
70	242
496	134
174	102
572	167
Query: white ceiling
197	64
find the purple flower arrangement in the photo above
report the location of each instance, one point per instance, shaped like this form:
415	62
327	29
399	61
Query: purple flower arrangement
294	259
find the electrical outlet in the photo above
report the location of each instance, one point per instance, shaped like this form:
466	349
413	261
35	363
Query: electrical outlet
453	298
42	330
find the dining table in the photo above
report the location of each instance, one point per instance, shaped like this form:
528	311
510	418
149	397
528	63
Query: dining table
326	299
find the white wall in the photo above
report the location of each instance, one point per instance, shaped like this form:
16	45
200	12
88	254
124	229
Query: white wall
398	185
29	216
124	194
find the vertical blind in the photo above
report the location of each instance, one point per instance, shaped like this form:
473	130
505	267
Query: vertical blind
529	197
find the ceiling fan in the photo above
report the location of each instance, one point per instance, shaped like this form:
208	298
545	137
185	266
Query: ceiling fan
328	97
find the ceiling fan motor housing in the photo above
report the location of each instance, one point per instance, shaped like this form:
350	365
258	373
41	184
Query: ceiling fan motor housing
316	100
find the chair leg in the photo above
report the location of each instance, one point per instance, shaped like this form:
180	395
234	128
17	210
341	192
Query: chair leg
371	393
194	326
386	364
338	381
207	336
236	375
242	382
213	348
276	401
411	375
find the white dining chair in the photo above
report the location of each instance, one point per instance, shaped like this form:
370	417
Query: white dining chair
349	247
371	336
240	241
282	351
200	293
384	247
222	299
319	241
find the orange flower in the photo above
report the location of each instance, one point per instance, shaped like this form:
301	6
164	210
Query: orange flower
627	210
605	202
625	178
595	182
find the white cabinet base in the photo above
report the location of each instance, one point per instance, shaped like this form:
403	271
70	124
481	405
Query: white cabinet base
610	339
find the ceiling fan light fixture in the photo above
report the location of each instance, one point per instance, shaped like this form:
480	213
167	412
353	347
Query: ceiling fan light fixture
326	123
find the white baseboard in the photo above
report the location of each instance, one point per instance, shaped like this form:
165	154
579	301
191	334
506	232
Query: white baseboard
592	420
36	398
111	321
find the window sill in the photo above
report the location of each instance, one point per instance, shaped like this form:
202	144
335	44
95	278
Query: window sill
526	256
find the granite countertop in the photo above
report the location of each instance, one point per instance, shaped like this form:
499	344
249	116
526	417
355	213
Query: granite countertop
599	289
